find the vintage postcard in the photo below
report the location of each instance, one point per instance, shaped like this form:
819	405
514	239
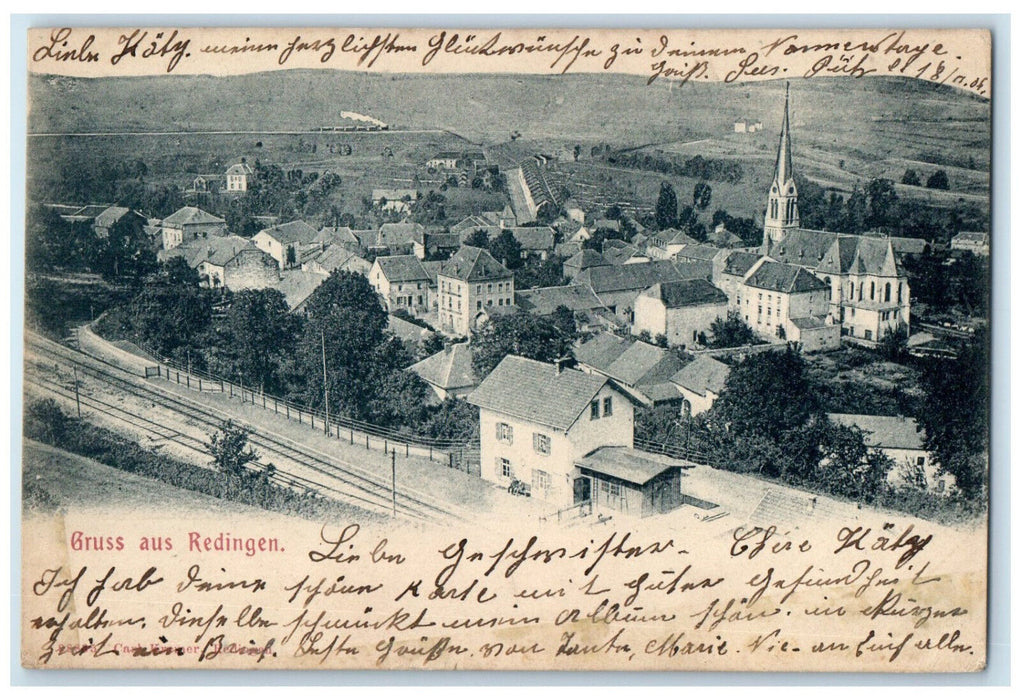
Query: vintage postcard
506	349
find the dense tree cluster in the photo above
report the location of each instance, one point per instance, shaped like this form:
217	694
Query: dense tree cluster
878	207
698	167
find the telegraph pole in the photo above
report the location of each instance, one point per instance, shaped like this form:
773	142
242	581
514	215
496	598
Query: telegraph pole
393	476
77	399
326	388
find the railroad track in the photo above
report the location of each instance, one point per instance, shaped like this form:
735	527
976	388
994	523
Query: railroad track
354	483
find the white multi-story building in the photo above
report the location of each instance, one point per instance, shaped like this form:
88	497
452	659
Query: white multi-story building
468	283
568	436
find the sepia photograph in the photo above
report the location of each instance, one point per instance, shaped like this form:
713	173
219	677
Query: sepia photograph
506	349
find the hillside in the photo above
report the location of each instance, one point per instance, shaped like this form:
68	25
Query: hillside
845	131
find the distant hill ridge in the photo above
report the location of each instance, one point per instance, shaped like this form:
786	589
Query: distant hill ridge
611	108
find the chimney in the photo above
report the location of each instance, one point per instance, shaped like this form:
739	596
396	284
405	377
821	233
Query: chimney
562	363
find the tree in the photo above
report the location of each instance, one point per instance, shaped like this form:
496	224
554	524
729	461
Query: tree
701	196
938	181
766	394
882	201
506	249
230	451
955	414
454	419
666	207
847	466
169	316
731	332
258	335
478	239
534	337
911	178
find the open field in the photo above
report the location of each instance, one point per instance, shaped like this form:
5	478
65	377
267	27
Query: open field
845	130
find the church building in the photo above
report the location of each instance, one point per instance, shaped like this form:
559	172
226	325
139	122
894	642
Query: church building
869	294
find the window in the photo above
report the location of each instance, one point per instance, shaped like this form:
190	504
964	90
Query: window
920	461
504	433
872	291
608	406
478	305
540	480
610	489
500	302
594	410
504	468
887	292
541	443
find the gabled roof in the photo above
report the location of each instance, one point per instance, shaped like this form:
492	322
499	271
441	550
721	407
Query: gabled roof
405	330
543	301
619	255
337	257
809	322
629	361
639	276
470	264
297	286
536	392
189	216
790	279
336	234
393	194
586	258
402	268
400	234
441	240
220	251
703	374
974	237
533	238
450	368
676	295
627	464
803	246
891	432
699	251
240	169
738	263
109	216
291	232
875	256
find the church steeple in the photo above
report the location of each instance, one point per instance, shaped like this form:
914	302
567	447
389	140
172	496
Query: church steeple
782	205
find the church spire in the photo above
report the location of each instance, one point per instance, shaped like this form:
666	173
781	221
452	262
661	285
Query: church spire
782	205
784	163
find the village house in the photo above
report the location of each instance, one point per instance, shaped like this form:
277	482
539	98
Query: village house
120	220
394	200
297	286
286	242
448	372
641	370
589	313
701	382
189	224
666	244
975	241
228	262
335	258
680	310
238	176
582	260
787	302
436	245
731	275
402	283
568	438
902	440
469	282
617	286
400	238
338	235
